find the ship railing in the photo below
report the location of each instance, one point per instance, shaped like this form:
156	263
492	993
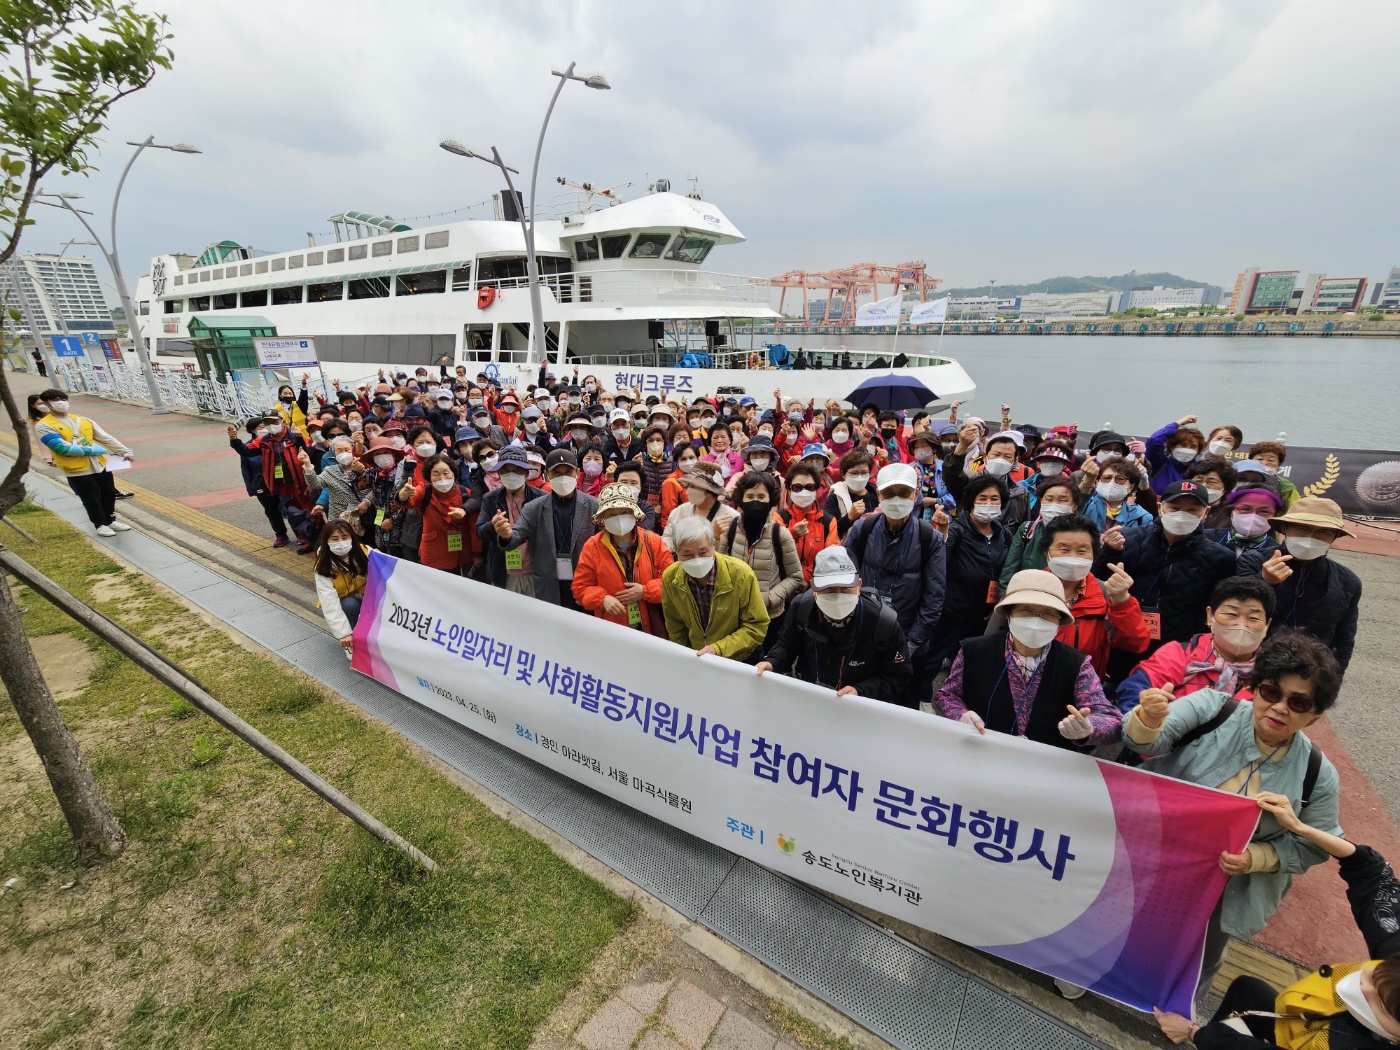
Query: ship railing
647	287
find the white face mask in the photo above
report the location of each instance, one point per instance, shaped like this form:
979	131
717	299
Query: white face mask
1104	457
1050	468
1183	455
1220	449
563	485
857	482
1072	569
620	524
1051	511
274	429
58	408
1213	495
987	511
355	425
836	605
686	465
532	428
260	432
1250	526
896	508
698	567
579	434
998	468
707	421
488	463
534	473
839	436
803	499
759	462
1266	468
1180	522
621	432
340	548
1239	640
513	482
396	440
1112	491
591	388
1306	548
1032	631
424	450
695	495
384	462
345	458
481	422
444	403
444	484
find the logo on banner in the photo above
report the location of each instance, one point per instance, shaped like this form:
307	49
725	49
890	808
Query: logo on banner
787	845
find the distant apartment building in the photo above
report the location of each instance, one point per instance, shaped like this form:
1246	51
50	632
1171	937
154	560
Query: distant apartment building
1390	291
985	306
58	293
1263	291
1159	297
1044	306
1321	294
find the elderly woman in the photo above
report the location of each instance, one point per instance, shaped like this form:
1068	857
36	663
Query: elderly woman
618	577
711	601
1210	738
704	494
760	538
343	483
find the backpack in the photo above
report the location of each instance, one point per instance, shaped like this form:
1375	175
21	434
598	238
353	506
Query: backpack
863	537
776	544
886	626
1223	715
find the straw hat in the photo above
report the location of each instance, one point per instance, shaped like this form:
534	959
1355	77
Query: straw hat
705	475
617	496
1316	511
1038	588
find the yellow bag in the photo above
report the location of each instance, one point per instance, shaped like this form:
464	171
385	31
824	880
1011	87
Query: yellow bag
1304	1011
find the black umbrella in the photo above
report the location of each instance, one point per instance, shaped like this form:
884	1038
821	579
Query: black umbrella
890	393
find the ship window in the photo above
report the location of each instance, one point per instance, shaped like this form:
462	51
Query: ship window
199	304
260	267
335	255
554	264
245	270
286	296
370	287
179	279
325	293
408	244
382	248
614	246
226	301
314	258
650	245
174	306
435	240
217	275
586	250
357	251
462	279
294	263
255	298
690	249
145	307
501	269
279	264
421	283
204	275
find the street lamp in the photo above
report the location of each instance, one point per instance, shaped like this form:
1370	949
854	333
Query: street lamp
138	341
599	83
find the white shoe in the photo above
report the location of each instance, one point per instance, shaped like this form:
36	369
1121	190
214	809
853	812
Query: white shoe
1070	991
104	530
119	526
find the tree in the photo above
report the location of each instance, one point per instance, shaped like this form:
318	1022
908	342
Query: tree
66	64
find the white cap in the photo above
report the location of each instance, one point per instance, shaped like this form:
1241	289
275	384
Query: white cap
896	474
620	415
1009	435
833	567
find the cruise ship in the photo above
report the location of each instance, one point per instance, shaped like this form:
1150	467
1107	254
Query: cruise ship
626	298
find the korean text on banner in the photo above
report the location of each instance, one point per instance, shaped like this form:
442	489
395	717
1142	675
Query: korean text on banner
1096	873
286	353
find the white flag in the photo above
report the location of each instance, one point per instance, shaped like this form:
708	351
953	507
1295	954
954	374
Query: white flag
881	311
935	312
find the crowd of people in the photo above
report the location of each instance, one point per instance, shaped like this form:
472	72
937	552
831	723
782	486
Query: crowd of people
1168	602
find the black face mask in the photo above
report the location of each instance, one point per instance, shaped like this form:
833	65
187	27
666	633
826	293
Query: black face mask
288	398
887	431
755	513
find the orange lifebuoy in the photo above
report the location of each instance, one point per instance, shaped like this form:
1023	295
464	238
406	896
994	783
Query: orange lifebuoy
755	361
485	297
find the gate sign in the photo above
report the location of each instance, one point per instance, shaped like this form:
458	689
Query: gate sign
286	353
67	345
90	339
110	350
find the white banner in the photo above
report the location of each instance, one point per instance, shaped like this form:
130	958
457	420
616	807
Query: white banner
1038	854
935	312
881	311
286	353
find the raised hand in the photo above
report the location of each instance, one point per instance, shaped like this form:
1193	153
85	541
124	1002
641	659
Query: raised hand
967	438
1276	569
501	524
232	432
1154	704
799	529
941	520
1076	725
1185	421
1118	585
857	509
1113	538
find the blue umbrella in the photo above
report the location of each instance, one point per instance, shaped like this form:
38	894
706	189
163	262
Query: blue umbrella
890	393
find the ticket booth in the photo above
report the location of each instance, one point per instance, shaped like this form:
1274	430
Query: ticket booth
223	344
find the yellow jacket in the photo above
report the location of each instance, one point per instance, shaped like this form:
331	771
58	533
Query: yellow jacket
738	616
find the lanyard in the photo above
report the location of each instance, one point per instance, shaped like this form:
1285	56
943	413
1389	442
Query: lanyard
1030	688
1255	767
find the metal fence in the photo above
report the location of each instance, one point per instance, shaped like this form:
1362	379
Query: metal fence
181	391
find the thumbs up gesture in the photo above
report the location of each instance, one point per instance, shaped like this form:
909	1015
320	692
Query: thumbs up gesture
1276	569
1153	705
1076	725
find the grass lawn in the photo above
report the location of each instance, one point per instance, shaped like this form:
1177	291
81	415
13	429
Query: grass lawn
245	911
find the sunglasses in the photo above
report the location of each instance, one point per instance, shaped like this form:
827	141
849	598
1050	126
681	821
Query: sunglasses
802	488
1272	694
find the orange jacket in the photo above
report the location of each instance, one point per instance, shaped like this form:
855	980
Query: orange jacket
817	537
600	573
672	496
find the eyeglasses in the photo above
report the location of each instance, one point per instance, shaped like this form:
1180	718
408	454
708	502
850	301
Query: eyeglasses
794	487
1272	694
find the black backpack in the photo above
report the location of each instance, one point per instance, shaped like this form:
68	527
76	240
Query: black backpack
886	627
1223	715
777	546
863	537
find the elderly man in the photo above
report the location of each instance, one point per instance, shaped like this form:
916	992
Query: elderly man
555	529
711	602
835	637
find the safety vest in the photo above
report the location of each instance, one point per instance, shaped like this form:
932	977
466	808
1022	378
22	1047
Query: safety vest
74	464
293	417
1305	1010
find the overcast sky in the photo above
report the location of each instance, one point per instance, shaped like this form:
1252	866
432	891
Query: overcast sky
1013	141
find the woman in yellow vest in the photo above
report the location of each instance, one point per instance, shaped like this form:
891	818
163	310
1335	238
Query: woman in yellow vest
1350	1006
80	448
342	564
293	409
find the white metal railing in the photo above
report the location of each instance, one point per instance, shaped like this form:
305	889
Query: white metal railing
181	391
647	287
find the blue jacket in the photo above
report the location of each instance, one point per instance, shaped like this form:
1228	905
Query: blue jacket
897	567
1165	470
1130	515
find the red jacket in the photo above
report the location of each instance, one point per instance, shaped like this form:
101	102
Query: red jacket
1168	664
435	547
1100	626
821	532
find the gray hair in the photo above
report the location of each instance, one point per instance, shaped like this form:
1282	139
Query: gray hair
338	439
691	528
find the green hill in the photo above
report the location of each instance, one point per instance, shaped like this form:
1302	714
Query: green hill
1122	283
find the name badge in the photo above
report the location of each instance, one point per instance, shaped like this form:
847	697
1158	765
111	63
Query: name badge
991	592
1154	624
277	473
563	569
634	614
515	559
454	541
379	516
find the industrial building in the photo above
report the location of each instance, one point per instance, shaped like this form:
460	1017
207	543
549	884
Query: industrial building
58	294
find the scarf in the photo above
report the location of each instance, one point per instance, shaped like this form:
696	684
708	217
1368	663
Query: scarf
280	453
1230	673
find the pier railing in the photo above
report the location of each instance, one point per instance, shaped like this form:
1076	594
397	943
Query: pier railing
1187	326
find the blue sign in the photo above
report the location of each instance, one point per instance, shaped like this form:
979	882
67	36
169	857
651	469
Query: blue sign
67	345
90	338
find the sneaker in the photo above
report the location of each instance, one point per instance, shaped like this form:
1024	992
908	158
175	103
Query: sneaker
125	495
280	541
1070	991
119	526
104	530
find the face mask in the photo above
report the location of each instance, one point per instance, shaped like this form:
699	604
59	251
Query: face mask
355	425
397	440
318	440
534	473
1104	457
1072	569
444	484
1050	468
837	606
563	485
461	399
1112	491
1250	526
488	464
766	432
686	465
655	448
759	462
1213	495
260	432
796	417
888	432
707	421
345	458
592	468
896	508
340	548
513	482
754	511
384	462
998	468
695	495
1220	449
1051	511
839	436
697	568
444	403
475	402
1183	455
591	388
1306	548
286	399
1180	522
987	511
1238	639
803	499
874	450
621	432
575	400
620	524
1266	468
275	428
59	408
857	482
924	455
424	450
1032	631
579	434
545	404
532	428
481	422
